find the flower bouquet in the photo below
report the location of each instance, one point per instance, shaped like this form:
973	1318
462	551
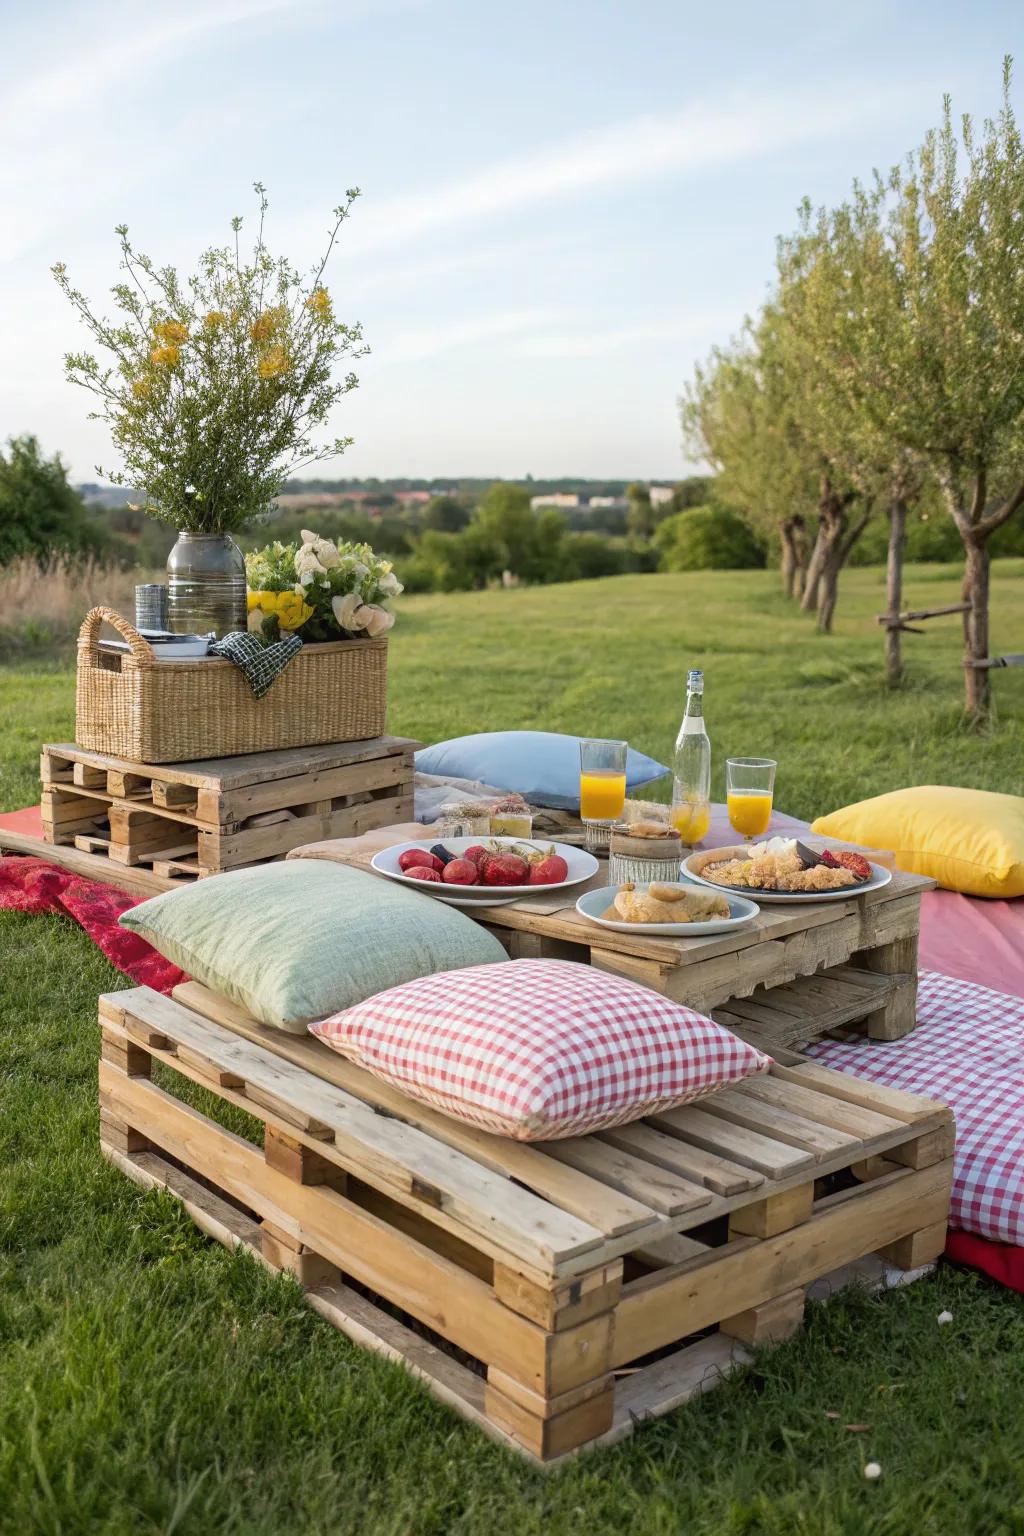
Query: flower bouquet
319	590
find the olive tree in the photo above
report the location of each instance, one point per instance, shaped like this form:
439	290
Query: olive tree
931	351
737	415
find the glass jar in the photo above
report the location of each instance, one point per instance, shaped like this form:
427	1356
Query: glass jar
644	860
206	588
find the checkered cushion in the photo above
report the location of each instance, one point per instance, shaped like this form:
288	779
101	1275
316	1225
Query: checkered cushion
968	1049
538	1049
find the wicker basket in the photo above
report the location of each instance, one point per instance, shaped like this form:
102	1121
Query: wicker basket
131	705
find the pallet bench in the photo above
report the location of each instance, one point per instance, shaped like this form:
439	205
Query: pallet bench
554	1293
188	820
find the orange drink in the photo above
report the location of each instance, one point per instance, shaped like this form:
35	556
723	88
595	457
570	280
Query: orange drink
691	819
602	794
750	812
749	787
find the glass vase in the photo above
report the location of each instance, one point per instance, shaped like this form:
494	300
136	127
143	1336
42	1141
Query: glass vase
206	588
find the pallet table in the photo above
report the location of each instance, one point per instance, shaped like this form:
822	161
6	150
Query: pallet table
794	974
554	1293
188	820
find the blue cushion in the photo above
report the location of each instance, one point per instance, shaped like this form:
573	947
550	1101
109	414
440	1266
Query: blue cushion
541	765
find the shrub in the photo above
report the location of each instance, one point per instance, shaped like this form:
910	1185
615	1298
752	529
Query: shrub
588	555
705	539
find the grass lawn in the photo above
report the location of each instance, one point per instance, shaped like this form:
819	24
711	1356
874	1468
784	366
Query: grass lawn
151	1382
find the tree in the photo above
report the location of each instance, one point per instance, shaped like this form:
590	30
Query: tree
640	518
445	514
708	538
739	414
532	539
936	254
40	513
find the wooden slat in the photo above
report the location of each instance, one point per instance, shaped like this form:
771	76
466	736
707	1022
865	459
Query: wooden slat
854	1090
248	768
753	1150
655	1186
612	1212
715	1173
781	1124
821	1107
397	1158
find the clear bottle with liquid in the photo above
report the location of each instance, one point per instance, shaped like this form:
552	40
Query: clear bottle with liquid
691	767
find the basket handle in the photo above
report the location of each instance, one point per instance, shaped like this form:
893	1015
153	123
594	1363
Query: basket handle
88	635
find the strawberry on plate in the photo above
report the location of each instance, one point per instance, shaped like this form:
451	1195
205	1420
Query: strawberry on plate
504	869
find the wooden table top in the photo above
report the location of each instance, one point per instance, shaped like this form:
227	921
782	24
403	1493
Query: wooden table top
555	917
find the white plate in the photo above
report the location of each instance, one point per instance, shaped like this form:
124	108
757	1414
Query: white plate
582	866
593	904
879	877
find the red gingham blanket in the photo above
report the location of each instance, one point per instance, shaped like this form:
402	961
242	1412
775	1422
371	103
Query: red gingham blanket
968	1050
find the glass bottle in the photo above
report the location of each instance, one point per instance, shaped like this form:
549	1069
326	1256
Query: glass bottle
691	767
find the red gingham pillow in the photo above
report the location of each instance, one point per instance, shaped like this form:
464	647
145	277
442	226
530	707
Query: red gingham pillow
538	1049
968	1050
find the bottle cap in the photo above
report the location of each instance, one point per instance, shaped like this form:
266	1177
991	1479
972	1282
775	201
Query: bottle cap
695	680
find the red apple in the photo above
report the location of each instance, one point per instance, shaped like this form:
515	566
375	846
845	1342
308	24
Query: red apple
414	857
550	871
423	872
504	869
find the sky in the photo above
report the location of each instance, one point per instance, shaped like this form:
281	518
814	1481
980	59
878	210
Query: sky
565	203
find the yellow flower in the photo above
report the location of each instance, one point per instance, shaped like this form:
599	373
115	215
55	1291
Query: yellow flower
273	363
319	302
165	356
215	318
142	388
263	328
292	612
172	332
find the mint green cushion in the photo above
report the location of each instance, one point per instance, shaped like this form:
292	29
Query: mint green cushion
295	941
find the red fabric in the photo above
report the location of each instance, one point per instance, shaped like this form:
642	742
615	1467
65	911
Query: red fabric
1000	1261
28	822
33	885
974	938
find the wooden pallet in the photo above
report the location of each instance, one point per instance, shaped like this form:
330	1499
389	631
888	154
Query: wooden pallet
796	972
584	1284
187	820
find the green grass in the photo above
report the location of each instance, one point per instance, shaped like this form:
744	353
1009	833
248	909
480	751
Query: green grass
151	1382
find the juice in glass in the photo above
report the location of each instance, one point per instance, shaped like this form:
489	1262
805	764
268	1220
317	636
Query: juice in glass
749	811
602	794
691	819
749	787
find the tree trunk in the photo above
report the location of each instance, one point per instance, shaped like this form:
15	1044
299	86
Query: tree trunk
894	590
793	552
977	682
812	574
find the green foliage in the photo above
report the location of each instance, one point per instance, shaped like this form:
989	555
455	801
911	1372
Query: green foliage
640	519
531	539
40	513
216	385
319	589
708	538
446	514
588	555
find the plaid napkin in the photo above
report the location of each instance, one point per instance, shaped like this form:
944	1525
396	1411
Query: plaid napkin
262	661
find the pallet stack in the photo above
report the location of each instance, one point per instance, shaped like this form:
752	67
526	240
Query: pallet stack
185	821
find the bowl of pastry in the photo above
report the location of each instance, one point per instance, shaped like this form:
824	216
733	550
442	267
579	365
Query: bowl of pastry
667	907
785	870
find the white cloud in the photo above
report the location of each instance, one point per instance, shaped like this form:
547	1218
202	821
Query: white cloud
598	340
696	137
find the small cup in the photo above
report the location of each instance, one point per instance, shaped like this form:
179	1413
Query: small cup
749	790
602	788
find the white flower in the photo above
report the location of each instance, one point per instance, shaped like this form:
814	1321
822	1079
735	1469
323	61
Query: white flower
389	584
255	621
306	580
359	570
872	1471
307	537
375	620
944	1318
322	549
347	611
306	563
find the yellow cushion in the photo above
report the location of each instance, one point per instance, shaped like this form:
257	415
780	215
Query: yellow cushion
968	840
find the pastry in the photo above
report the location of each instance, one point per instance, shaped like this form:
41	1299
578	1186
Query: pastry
661	903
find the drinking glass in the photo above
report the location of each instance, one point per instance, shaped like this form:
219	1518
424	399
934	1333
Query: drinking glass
602	788
749	786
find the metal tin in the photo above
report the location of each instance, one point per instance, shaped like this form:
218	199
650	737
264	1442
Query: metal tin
151	605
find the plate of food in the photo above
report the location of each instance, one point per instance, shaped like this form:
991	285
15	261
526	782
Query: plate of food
474	871
666	907
785	870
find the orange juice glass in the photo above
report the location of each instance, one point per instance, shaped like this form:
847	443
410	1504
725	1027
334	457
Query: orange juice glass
691	818
602	787
749	790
